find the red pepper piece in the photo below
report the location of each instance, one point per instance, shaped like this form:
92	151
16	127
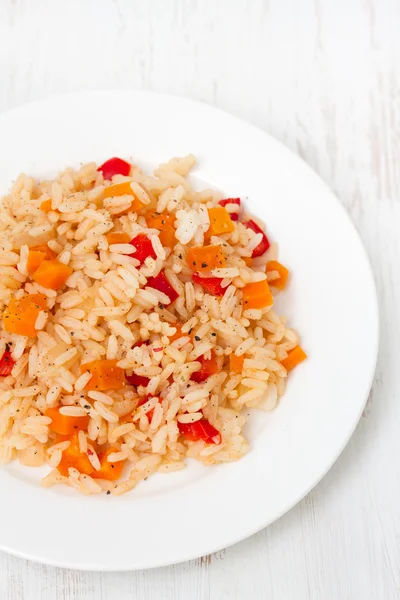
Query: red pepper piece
142	401
137	380
233	215
6	364
144	248
209	366
212	285
161	283
263	245
115	166
200	430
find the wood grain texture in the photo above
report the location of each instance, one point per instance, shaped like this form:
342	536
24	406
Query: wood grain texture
323	76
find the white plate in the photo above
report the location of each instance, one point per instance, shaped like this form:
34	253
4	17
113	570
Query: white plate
331	301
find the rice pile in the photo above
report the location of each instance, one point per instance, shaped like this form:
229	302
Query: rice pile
106	309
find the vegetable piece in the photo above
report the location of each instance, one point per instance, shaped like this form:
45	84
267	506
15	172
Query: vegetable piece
280	283
257	295
233	215
115	166
294	358
46	206
236	363
124	189
204	259
73	458
137	380
6	364
164	223
20	315
117	237
105	375
212	285
109	470
118	189
64	424
44	248
35	259
161	283
209	366
142	401
143	248
178	333
263	245
52	274
220	222
200	430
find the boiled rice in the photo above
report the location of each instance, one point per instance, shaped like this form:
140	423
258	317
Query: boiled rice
108	306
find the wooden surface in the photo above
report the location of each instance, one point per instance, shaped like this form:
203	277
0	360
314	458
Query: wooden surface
323	76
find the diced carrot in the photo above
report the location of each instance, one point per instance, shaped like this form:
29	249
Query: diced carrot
294	357
35	259
64	424
248	260
46	206
236	363
73	458
257	295
109	470
117	237
44	248
37	254
204	259
220	221
20	315
164	223
52	274
123	189
178	333
118	189
279	283
105	375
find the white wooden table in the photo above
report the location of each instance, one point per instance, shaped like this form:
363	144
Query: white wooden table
323	76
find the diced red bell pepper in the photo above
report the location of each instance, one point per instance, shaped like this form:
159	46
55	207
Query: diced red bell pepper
233	215
209	366
200	430
142	401
115	166
161	283
6	364
263	245
144	248
137	380
212	285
